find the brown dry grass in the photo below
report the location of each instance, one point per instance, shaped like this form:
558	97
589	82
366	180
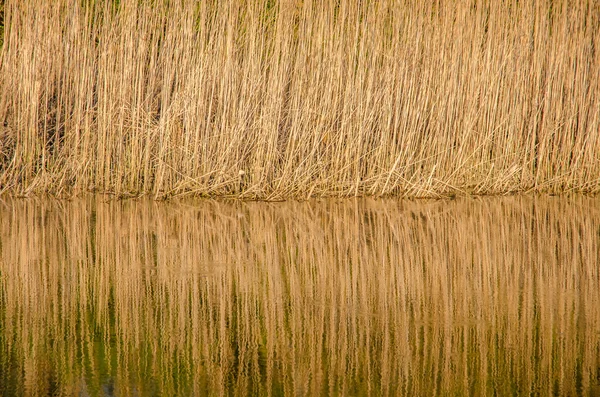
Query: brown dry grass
493	297
305	98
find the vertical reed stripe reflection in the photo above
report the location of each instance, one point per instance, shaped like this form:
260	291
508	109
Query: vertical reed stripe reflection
367	297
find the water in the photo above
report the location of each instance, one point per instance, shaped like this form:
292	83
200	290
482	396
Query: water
481	297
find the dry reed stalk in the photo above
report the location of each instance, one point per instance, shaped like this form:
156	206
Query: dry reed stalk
355	298
306	98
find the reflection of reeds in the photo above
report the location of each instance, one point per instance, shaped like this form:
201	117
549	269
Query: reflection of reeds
286	98
367	297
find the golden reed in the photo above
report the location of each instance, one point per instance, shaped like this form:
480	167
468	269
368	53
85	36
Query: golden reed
292	98
486	297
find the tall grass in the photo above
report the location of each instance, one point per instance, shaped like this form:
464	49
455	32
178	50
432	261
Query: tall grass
493	297
275	99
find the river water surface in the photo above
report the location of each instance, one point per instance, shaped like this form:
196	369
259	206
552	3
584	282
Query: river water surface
495	296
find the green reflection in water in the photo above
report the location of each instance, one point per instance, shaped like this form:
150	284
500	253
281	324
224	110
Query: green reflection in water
482	297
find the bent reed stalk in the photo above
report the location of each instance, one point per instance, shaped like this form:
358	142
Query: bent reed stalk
278	99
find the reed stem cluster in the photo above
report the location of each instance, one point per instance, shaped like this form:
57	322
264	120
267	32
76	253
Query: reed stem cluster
279	99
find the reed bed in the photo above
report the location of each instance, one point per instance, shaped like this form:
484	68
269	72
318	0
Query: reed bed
279	99
491	297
